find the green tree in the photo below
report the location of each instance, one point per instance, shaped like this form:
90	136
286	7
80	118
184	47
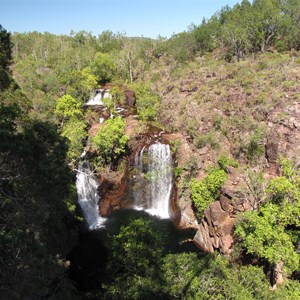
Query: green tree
110	141
235	31
108	42
5	49
207	190
266	22
262	234
292	13
179	270
5	58
270	232
183	46
76	132
135	261
147	102
73	127
68	107
103	67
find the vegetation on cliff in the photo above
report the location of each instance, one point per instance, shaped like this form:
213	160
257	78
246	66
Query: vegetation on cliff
229	86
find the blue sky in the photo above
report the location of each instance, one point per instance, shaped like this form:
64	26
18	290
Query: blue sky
148	18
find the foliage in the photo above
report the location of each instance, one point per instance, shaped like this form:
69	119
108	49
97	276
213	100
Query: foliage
110	141
73	128
5	58
225	161
220	280
34	186
147	102
269	232
108	42
207	190
80	83
254	146
282	190
201	141
175	145
135	262
103	67
182	46
68	107
178	271
75	131
261	234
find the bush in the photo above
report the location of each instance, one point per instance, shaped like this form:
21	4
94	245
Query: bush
111	140
207	190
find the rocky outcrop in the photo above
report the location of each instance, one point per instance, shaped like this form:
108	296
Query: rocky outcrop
112	187
129	98
184	214
216	228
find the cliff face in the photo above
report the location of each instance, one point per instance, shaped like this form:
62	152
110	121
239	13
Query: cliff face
247	110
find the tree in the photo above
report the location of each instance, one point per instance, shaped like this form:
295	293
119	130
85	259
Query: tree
179	270
5	49
207	190
76	132
262	234
73	127
235	31
266	22
147	102
183	46
68	107
135	261
291	9
269	232
108	42
103	67
5	58
110	141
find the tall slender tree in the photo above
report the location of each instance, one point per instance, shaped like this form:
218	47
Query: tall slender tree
5	57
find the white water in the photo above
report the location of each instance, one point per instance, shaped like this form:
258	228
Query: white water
88	197
153	185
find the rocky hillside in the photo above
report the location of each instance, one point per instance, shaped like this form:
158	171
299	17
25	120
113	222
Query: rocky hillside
247	111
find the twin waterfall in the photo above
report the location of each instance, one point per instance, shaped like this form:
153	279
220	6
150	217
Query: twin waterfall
152	186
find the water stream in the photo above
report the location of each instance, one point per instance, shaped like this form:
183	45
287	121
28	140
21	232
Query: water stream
88	198
154	180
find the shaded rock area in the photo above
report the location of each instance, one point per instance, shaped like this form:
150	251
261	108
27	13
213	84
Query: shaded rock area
112	188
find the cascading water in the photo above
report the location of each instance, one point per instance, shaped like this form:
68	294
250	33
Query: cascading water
88	197
154	180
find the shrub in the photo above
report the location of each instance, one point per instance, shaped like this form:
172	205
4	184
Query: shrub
205	191
111	140
147	102
224	161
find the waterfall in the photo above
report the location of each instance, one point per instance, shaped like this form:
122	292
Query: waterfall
154	180
88	197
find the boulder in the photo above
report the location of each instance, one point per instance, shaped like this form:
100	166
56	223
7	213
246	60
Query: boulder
203	240
129	98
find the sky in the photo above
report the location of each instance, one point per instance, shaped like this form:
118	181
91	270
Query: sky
148	18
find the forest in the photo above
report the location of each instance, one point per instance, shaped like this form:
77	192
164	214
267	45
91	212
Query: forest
227	88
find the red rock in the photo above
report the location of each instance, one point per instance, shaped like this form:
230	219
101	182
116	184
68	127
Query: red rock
203	241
